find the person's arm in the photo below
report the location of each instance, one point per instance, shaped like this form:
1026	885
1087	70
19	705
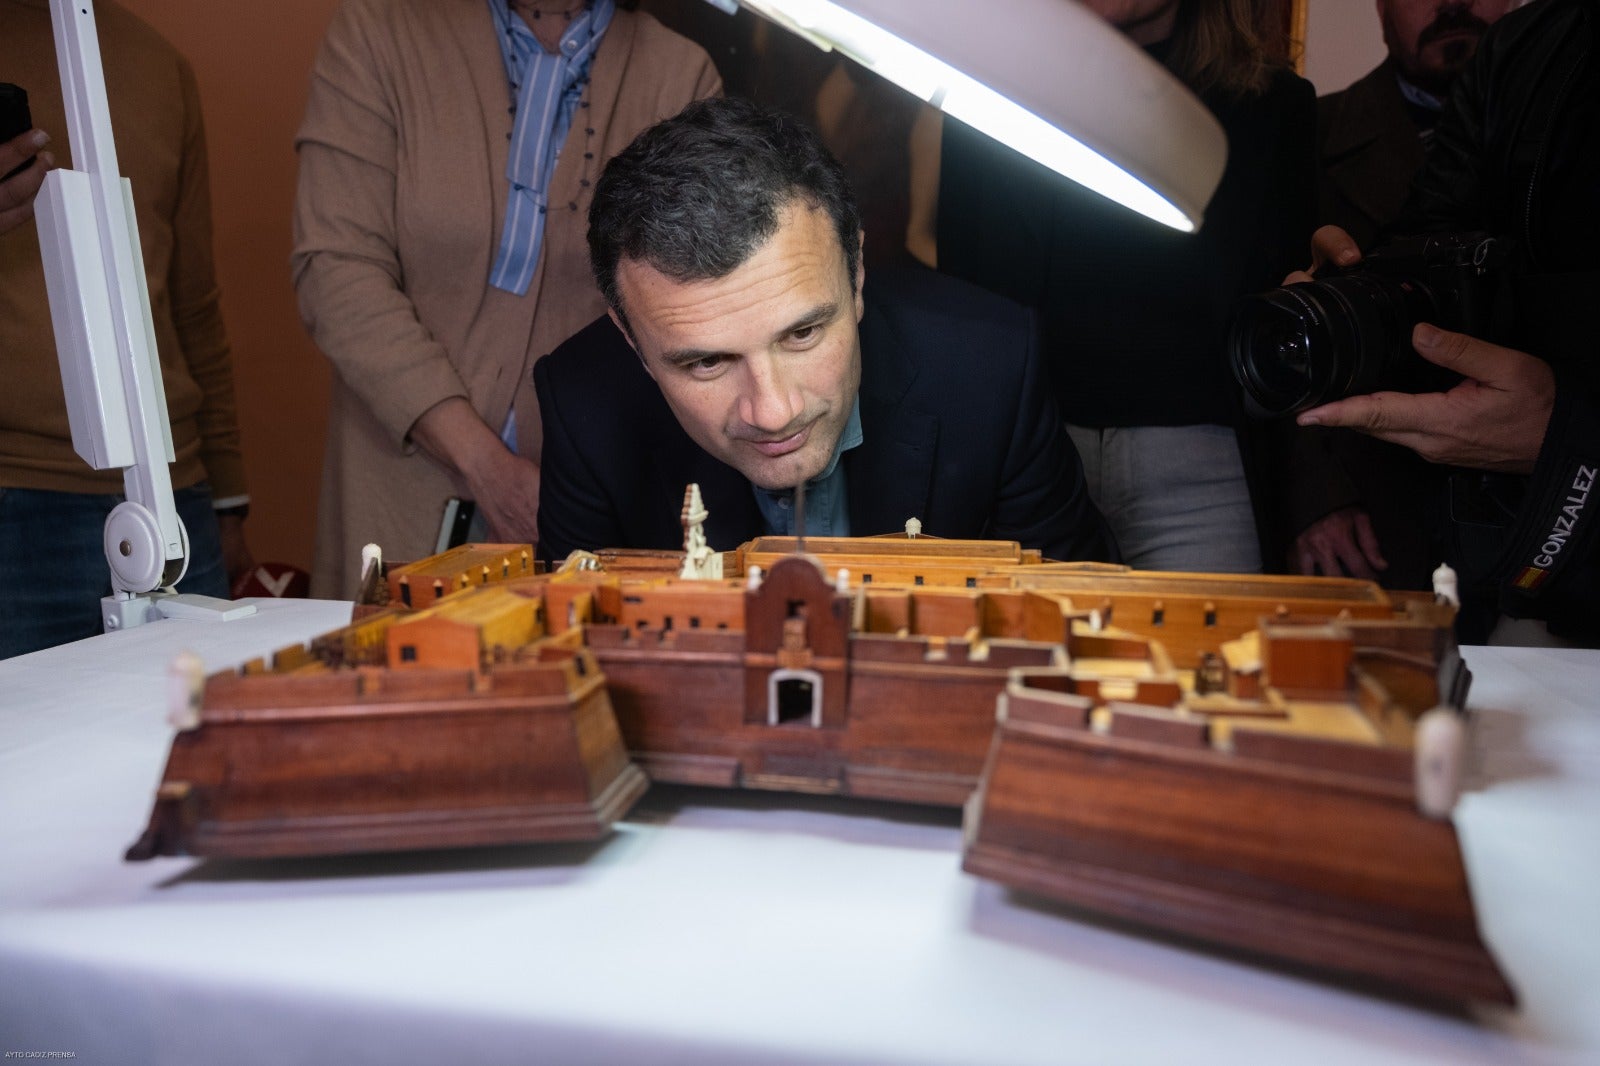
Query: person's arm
1043	500
17	192
1340	543
1494	420
1332	532
1513	414
346	265
505	485
1560	513
351	283
202	339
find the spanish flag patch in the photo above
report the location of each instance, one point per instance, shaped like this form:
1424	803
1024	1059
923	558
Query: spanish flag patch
1530	578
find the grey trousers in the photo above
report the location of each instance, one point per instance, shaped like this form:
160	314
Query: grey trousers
1175	496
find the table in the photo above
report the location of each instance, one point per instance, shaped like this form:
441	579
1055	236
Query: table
711	927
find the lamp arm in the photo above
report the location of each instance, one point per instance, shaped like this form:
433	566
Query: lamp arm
100	310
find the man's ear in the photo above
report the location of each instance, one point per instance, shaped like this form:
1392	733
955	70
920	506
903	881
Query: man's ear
861	272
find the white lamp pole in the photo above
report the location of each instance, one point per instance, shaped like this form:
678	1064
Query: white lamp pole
105	340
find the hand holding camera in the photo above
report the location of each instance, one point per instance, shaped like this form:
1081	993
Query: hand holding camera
1349	331
1344	351
1330	245
1495	419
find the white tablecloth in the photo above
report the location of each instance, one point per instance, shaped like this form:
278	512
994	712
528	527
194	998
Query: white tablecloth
712	927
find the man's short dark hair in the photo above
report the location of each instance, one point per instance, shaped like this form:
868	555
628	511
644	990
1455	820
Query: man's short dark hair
696	195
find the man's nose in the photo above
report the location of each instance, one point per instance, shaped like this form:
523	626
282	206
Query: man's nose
771	401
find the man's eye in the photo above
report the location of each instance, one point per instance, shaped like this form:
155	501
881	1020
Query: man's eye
805	334
706	366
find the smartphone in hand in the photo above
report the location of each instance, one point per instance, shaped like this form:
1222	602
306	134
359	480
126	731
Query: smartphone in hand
15	119
455	528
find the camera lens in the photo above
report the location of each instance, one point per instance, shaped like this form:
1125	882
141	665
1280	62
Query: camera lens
1271	344
1313	342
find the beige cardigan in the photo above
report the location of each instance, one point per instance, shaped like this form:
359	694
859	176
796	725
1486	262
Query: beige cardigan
401	199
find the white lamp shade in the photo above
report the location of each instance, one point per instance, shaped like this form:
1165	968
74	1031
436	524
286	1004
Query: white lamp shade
1046	77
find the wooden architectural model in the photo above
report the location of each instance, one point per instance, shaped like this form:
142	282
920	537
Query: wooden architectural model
1277	800
1233	758
457	724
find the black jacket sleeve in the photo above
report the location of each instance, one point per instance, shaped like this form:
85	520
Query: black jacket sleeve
1525	101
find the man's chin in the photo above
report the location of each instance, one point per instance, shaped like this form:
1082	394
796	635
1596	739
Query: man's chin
1442	60
778	475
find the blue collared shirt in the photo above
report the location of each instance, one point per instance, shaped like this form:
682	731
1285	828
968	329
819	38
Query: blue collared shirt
545	92
1420	97
827	508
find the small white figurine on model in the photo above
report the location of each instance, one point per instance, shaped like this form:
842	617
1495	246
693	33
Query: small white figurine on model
1446	588
699	561
186	682
1441	745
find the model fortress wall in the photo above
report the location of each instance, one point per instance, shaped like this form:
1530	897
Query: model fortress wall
447	726
1233	757
871	666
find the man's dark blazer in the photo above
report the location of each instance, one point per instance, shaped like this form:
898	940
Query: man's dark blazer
1368	150
958	431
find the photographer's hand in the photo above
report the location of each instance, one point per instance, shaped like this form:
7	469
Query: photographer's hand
1338	544
1494	420
1330	244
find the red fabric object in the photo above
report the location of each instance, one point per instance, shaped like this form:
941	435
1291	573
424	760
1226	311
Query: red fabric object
273	579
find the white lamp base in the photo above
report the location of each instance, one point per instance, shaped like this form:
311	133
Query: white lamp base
124	610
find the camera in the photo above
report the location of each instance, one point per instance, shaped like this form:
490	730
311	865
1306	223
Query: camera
1350	332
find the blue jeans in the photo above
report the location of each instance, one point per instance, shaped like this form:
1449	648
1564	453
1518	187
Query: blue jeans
53	564
1175	496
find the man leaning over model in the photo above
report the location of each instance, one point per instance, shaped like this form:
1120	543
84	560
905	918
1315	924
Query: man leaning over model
743	351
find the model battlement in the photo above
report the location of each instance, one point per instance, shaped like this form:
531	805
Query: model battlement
1248	646
312	759
1159	709
892	559
531	675
419	584
699	641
